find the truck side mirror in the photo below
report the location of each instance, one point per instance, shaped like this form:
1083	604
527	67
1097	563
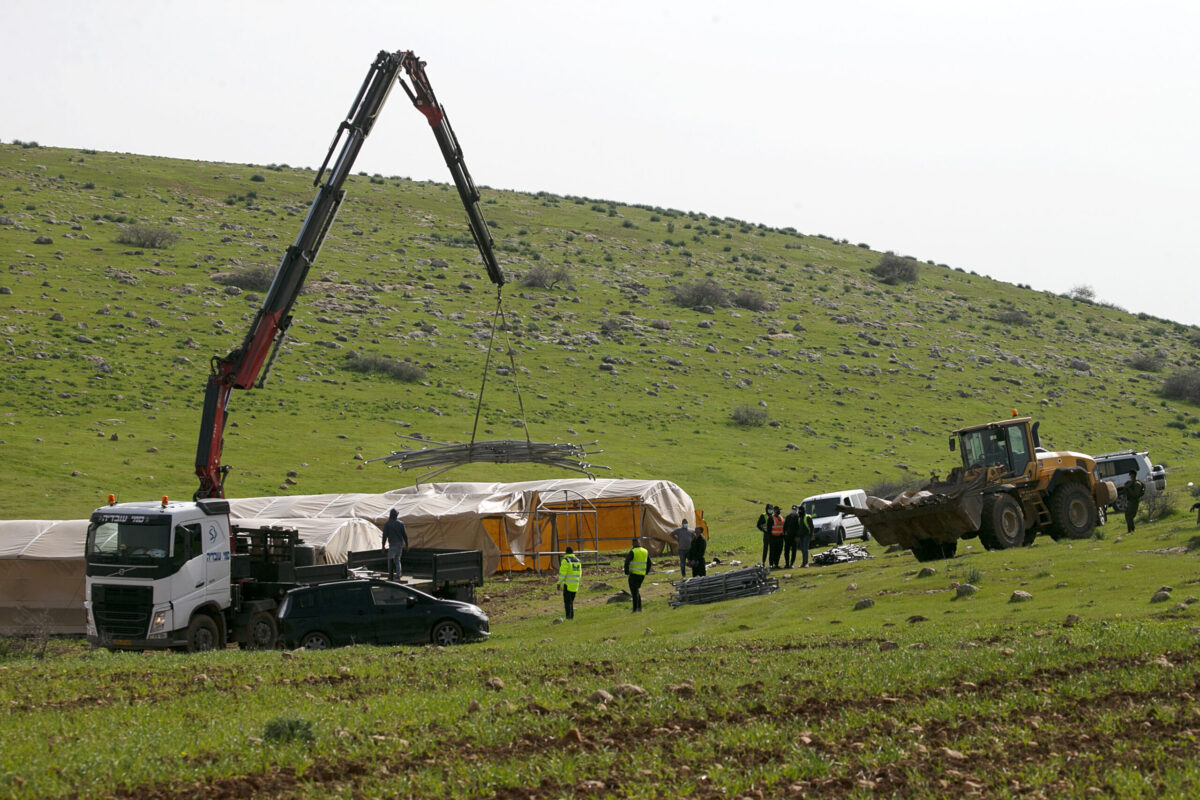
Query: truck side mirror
952	444
1033	432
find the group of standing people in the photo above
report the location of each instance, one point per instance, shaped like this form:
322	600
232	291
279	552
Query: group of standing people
784	536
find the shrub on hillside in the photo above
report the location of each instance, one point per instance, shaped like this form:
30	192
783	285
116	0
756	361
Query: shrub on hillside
894	270
1014	316
752	300
1146	362
152	236
543	276
750	416
1082	293
702	293
1194	336
400	370
256	278
1183	386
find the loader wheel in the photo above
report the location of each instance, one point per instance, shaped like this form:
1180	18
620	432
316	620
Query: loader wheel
1073	511
1003	524
202	634
933	550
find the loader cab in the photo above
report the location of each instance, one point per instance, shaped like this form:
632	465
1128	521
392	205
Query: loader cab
1008	445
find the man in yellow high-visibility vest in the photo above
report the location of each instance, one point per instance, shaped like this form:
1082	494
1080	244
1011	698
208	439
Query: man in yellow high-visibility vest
570	571
637	564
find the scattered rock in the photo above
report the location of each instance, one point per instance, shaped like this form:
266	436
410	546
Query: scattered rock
494	683
888	646
1071	621
866	602
628	690
43	240
927	572
1020	596
620	597
1160	597
473	706
917	618
853	587
965	590
601	696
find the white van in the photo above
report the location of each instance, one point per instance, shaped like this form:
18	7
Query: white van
831	525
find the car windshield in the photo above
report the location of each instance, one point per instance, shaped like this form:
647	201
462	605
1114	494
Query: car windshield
822	506
128	541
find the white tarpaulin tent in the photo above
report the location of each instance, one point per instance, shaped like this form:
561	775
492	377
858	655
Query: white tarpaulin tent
509	522
41	576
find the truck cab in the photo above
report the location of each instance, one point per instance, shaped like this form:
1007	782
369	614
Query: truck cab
151	567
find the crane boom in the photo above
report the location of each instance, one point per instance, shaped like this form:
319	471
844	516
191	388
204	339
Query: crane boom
248	365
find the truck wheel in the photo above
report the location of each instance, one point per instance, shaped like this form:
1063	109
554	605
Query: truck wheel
1003	524
446	633
315	641
202	634
261	633
1073	511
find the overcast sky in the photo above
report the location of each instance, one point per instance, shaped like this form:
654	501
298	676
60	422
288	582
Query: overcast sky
1044	142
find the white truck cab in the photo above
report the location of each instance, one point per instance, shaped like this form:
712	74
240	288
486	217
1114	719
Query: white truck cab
831	525
153	568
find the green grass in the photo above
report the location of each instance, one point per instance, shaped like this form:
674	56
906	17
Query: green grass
921	695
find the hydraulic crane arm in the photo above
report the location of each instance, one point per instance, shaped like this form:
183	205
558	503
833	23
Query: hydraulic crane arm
250	363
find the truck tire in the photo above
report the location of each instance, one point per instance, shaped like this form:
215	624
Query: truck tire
446	632
202	634
1073	511
933	550
315	640
1003	523
261	633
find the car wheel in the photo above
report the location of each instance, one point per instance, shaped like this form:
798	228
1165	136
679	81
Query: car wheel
202	634
261	633
446	632
315	640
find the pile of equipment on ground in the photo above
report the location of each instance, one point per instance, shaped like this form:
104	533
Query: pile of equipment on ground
746	582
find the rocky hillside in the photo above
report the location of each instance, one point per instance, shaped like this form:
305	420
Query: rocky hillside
743	362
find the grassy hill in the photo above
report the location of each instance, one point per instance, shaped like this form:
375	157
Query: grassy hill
856	381
1085	688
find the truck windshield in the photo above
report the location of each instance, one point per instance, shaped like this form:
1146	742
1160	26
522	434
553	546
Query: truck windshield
1004	447
124	541
823	506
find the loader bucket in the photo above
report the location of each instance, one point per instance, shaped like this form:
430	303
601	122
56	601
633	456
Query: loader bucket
942	511
938	518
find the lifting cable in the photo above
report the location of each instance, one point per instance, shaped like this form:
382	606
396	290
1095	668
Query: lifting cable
443	456
498	316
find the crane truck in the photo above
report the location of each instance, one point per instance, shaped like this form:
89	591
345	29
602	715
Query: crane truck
180	574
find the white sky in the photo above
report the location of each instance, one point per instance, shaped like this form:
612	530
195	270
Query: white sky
1048	142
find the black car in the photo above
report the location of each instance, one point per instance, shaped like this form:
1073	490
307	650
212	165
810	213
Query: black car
369	611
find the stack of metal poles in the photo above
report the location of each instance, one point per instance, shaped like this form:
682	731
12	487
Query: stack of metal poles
746	582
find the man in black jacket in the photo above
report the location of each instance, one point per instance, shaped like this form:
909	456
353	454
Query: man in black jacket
695	554
1133	496
791	536
764	525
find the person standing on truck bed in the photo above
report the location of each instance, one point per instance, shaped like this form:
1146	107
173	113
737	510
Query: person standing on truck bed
791	535
570	571
395	539
637	564
1133	496
764	525
683	541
